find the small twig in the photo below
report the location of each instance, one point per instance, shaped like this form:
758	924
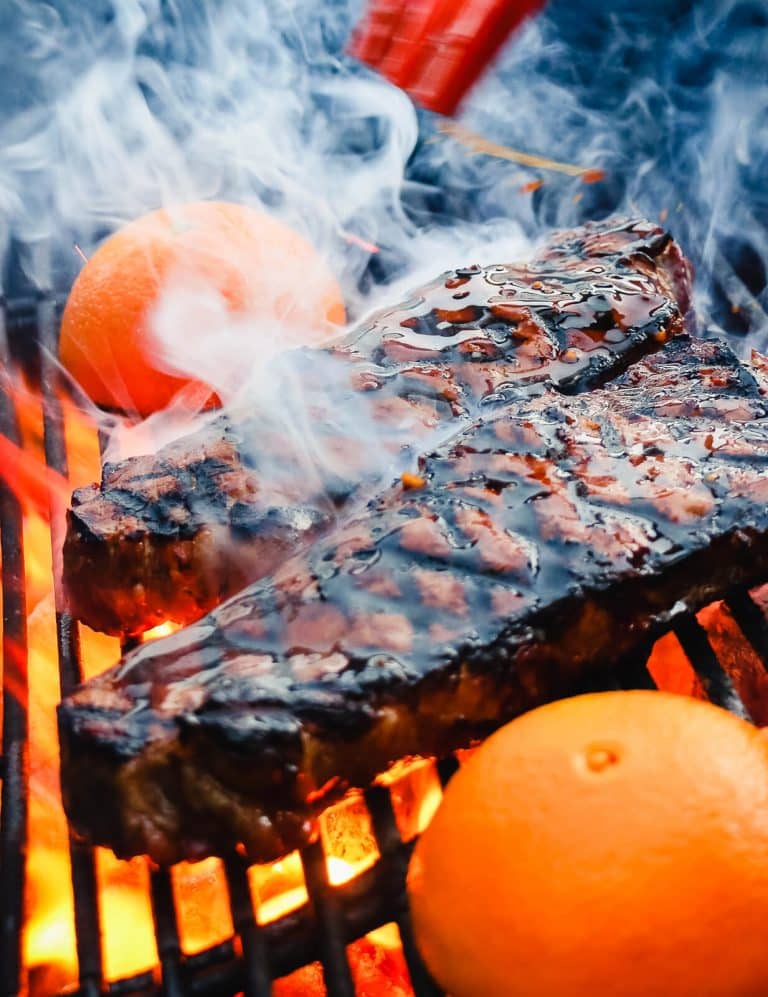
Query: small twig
483	145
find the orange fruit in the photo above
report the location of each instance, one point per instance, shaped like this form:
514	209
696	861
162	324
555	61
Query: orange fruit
227	261
614	843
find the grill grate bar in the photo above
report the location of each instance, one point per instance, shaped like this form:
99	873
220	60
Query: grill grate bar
164	911
751	621
379	803
165	918
13	804
141	985
167	932
634	672
330	923
81	858
82	863
717	683
446	768
257	982
215	971
293	940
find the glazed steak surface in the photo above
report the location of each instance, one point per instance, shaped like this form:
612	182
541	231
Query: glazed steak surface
169	536
544	543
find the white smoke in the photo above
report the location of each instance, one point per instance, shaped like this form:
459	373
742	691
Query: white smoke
116	107
234	100
238	109
670	99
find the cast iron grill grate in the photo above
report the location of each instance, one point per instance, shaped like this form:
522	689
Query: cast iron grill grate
333	916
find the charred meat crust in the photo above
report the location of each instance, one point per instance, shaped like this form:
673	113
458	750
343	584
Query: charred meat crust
546	543
169	536
181	530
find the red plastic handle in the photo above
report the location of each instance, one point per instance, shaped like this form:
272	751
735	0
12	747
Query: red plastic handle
436	49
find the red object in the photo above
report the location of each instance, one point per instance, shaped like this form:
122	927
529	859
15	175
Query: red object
436	49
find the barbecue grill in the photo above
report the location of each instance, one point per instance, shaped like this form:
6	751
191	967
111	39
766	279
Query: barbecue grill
333	916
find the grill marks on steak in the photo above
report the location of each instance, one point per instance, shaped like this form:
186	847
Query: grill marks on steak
546	543
169	536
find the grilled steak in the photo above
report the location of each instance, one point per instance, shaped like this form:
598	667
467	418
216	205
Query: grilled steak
543	543
169	536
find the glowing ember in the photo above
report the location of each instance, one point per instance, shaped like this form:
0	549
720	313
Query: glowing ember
592	176
203	904
531	186
163	630
356	240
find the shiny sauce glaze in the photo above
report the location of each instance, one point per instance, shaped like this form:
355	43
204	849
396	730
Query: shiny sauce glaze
539	544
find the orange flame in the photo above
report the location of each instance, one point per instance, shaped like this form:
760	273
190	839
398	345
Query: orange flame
30	479
202	899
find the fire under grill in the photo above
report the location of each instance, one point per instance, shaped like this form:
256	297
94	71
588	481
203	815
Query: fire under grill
333	915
